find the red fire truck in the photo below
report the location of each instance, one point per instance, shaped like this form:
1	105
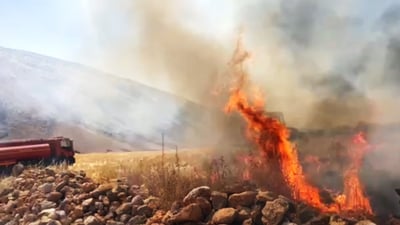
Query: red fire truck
37	151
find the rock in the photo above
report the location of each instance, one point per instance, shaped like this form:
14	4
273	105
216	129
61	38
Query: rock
202	191
122	196
82	173
101	190
219	200
264	196
365	222
137	220
153	202
78	222
112	222
49	172
61	213
246	198
166	217
189	213
176	206
99	205
5	191
224	216
305	213
17	170
88	187
30	217
91	220
137	200
397	190
10	207
47	212
54	222
76	213
50	179
106	201
5	219
145	211
124	218
44	220
87	203
112	196
66	221
205	206
13	222
13	195
393	220
238	188
22	210
54	196
67	174
320	220
47	205
125	208
60	186
247	222
243	214
274	211
336	220
46	188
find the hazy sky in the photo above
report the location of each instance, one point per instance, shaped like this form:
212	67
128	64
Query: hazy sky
65	28
179	45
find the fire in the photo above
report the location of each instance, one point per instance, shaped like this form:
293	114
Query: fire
250	164
314	160
353	198
272	139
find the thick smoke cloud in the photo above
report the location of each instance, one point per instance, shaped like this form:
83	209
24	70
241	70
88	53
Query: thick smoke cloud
162	51
322	64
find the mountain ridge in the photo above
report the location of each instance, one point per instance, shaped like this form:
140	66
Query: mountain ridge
41	91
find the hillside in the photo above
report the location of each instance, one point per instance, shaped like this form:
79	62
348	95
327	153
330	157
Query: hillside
43	96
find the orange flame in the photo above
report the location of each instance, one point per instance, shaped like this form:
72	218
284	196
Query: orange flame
314	160
353	198
272	139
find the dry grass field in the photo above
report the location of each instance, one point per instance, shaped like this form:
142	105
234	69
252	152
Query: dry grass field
170	176
104	167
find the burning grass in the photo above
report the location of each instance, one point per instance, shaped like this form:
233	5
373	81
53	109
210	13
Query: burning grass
275	148
276	166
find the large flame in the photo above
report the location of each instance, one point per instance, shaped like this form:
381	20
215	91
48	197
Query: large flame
353	198
272	139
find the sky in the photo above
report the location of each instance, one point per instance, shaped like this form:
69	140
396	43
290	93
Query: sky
61	28
70	30
50	27
66	30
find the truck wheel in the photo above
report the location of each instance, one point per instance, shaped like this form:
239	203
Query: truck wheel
71	160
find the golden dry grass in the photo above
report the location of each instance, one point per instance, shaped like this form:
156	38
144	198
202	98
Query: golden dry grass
170	179
104	167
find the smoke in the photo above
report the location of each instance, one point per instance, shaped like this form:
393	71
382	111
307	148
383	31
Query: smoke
327	64
319	62
322	64
164	51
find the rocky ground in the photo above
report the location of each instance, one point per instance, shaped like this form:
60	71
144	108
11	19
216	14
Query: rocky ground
44	196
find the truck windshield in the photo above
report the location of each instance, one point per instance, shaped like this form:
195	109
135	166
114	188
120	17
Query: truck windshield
65	143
